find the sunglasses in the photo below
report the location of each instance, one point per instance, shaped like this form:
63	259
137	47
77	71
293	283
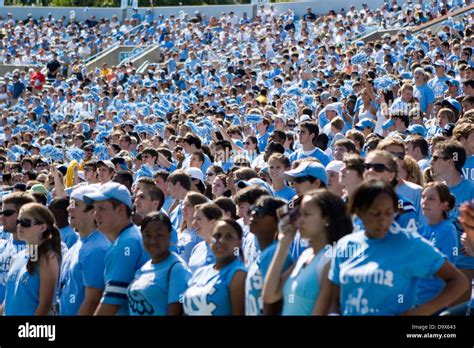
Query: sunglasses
259	211
301	179
378	167
291	125
26	222
8	212
210	174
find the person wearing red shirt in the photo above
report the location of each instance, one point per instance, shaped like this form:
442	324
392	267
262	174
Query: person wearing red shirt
37	79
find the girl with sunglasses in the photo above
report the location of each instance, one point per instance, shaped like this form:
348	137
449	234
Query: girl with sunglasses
251	147
304	287
264	225
368	278
219	288
159	284
34	274
382	165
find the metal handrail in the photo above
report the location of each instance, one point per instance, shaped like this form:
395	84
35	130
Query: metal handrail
143	67
117	36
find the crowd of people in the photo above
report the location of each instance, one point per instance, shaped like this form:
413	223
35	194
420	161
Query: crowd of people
274	165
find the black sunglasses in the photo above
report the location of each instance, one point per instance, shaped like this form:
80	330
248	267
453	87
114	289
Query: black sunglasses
26	222
259	211
8	212
378	167
302	179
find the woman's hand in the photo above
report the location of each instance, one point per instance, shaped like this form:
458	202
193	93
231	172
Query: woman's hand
286	229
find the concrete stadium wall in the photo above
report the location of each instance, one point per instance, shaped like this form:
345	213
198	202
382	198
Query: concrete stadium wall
111	57
81	13
4	69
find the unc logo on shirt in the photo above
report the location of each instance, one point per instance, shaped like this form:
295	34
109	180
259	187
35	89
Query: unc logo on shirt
254	304
196	301
139	304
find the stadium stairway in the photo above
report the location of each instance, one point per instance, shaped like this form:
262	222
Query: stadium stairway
434	25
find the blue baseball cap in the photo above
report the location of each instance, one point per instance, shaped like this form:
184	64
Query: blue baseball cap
453	82
452	102
417	129
110	190
314	169
81	191
365	124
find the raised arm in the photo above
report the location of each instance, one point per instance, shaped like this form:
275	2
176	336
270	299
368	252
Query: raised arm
276	278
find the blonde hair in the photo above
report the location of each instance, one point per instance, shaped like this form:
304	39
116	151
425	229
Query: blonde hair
413	170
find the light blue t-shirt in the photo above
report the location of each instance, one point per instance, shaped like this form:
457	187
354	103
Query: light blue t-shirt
167	204
22	288
301	289
468	169
122	261
157	285
208	292
263	140
176	216
317	153
424	164
250	247
425	95
83	266
444	237
298	246
462	192
438	85
412	193
68	236
9	248
201	256
286	193
380	276
187	240
256	276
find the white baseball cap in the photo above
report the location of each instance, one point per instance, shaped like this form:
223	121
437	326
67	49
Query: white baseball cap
195	173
